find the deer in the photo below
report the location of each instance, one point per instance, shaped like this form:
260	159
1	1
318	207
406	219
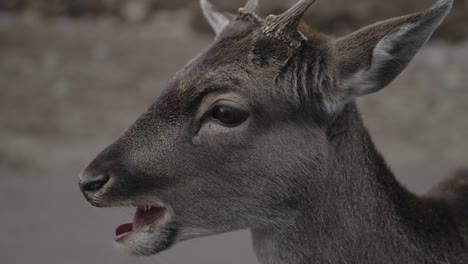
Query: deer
262	131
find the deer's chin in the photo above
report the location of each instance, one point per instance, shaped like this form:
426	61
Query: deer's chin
151	231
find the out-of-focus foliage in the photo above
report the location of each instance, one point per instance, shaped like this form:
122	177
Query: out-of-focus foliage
337	16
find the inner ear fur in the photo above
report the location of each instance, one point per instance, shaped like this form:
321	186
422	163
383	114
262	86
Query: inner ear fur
369	59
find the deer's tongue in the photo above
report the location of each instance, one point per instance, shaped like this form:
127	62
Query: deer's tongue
143	217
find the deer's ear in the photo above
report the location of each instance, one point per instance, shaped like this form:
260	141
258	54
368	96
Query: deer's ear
369	59
216	18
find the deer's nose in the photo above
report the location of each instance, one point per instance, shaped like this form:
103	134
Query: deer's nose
94	184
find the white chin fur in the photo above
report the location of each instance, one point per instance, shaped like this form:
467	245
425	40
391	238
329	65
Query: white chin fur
144	243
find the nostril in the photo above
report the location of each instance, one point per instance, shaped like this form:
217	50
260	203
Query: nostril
95	184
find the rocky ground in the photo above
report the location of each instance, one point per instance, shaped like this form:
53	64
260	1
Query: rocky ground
69	87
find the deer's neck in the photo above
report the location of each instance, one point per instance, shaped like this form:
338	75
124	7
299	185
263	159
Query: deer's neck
357	199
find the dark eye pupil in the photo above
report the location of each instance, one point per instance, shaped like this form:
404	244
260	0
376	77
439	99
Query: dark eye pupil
228	115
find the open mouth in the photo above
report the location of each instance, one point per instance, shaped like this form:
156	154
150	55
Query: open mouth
145	217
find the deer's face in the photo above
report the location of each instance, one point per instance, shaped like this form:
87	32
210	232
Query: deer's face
241	129
214	153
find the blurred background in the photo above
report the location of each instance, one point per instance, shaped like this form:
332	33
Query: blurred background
74	74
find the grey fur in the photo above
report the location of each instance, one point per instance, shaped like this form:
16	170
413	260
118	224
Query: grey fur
301	171
216	19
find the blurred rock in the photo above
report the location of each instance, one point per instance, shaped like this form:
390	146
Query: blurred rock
11	4
135	10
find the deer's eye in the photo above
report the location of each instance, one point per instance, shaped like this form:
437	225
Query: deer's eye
228	115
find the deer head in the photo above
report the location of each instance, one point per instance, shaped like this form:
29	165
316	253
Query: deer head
240	135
